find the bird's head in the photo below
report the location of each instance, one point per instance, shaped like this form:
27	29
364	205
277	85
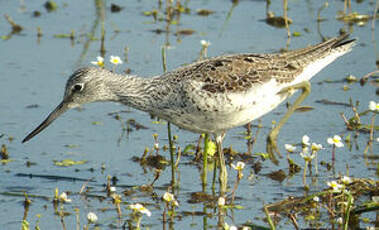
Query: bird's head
85	85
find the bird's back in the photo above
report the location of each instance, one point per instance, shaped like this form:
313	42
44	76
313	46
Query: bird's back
223	92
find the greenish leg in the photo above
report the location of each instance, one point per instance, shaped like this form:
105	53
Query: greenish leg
272	147
172	156
223	177
214	176
205	162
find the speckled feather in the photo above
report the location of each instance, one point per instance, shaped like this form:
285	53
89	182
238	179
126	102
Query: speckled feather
215	94
235	73
212	95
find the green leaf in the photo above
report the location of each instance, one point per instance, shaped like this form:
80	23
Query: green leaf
211	150
188	148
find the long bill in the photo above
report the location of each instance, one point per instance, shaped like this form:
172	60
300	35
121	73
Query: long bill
59	110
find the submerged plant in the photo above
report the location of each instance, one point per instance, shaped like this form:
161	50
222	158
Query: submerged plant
374	107
308	157
315	148
239	167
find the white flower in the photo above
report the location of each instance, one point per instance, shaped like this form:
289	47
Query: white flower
316	199
63	198
112	189
335	186
221	201
116	60
351	78
305	140
306	155
373	106
233	228
91	217
290	148
346	180
336	140
227	227
140	208
99	62
316	147
169	198
377	139
240	165
339	220
205	43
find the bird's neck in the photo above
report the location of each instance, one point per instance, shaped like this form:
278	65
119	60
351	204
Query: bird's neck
133	91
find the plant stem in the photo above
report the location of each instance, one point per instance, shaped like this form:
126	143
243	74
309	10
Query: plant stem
305	173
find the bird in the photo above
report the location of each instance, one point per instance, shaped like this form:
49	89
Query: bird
211	95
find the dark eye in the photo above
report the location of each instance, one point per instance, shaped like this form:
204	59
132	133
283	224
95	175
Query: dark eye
78	87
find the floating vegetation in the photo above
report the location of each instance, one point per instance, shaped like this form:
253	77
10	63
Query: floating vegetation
360	19
296	34
329	102
50	6
36	13
39	32
116	8
68	162
16	28
4	152
68	35
185	32
204	12
97	123
71	146
304	108
277	21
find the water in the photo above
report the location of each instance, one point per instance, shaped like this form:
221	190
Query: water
33	73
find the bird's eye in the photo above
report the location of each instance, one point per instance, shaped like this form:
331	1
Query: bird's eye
78	87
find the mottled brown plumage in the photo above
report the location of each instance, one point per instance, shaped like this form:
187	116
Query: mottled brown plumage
212	95
236	73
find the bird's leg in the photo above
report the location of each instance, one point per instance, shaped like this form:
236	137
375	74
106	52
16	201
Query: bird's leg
205	162
223	178
272	147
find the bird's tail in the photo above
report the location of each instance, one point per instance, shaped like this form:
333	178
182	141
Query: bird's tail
336	46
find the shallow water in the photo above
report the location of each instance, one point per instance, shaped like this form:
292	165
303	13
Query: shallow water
33	73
